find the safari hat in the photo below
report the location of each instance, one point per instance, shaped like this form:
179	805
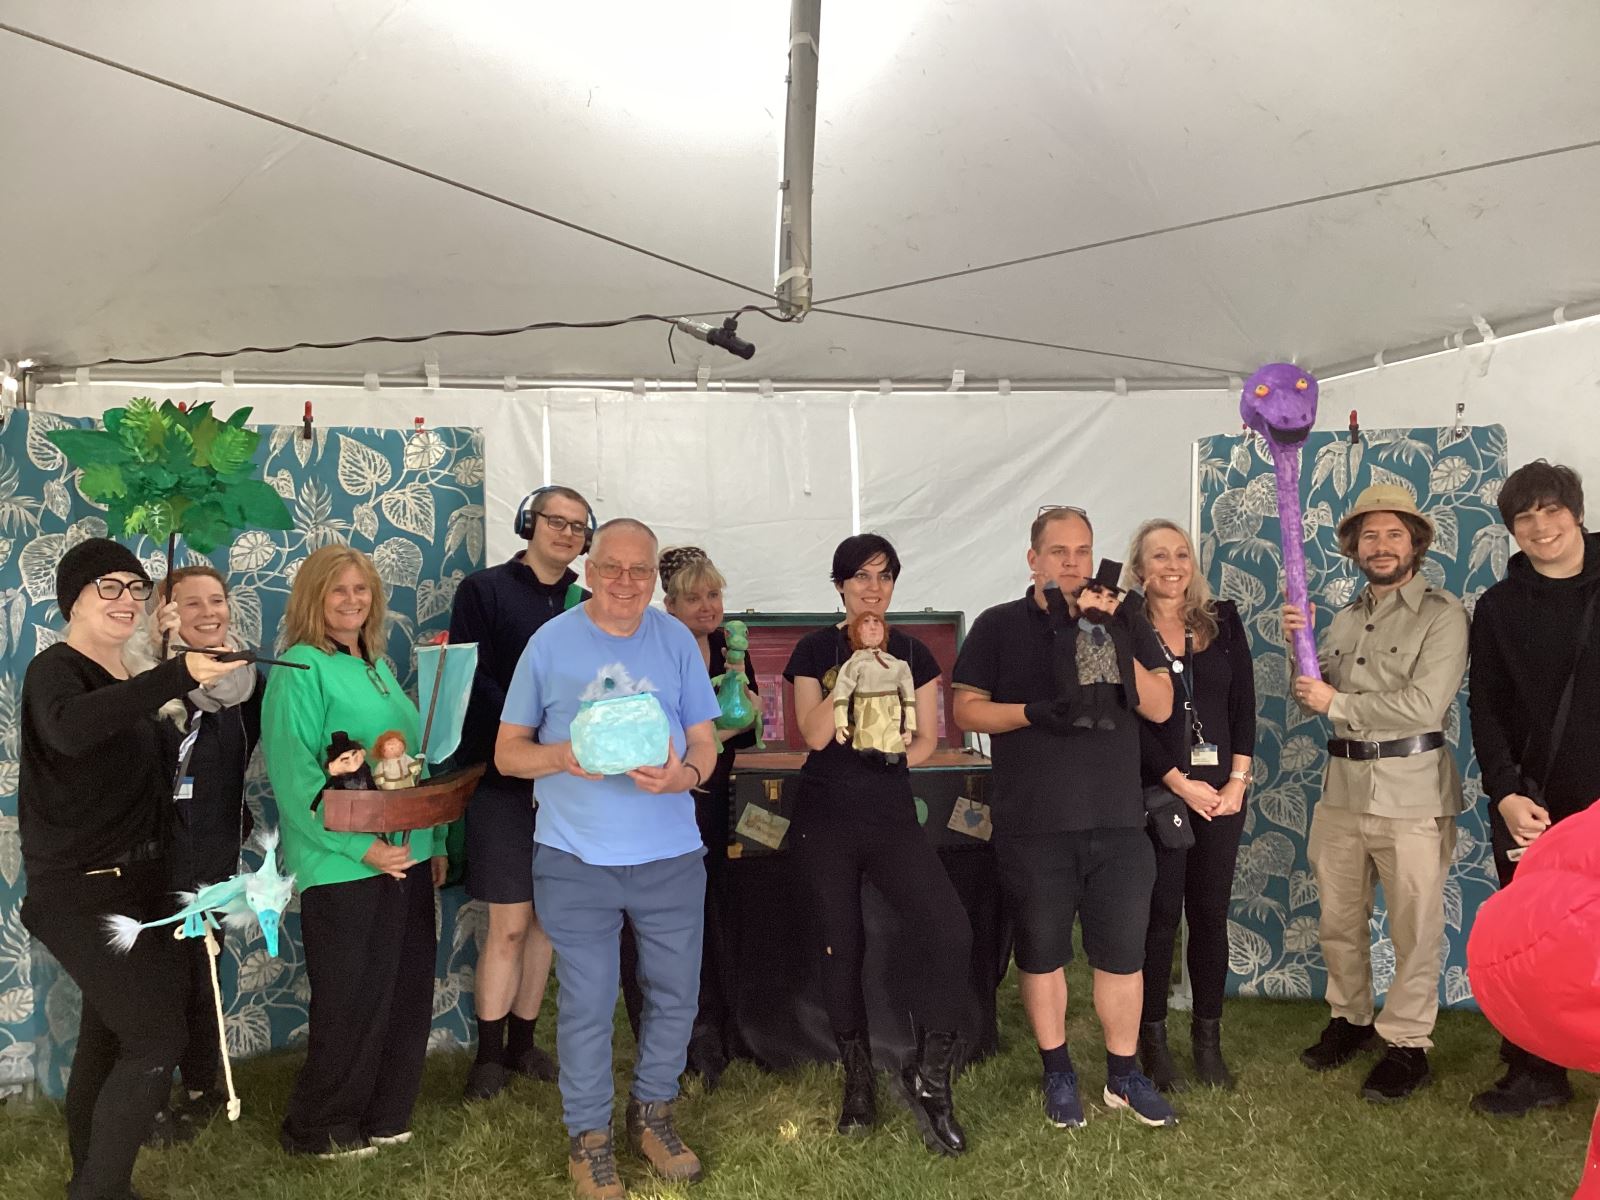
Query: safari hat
1385	497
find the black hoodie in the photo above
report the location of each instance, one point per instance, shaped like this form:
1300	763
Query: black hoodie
1523	649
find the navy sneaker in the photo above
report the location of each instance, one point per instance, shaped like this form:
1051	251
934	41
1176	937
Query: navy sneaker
1061	1103
1138	1095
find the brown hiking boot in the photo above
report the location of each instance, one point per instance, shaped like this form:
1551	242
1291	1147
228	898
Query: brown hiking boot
652	1133
593	1166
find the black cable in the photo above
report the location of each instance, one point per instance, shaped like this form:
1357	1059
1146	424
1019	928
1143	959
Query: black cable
482	193
1283	206
374	339
1001	337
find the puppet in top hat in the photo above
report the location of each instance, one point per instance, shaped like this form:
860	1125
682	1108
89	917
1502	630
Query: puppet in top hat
1093	655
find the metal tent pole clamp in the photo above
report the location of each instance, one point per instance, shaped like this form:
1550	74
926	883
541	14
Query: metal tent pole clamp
793	286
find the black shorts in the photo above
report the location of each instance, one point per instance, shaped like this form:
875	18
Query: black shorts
500	842
1103	876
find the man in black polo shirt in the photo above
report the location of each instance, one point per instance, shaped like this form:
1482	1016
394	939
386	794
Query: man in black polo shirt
1069	814
500	608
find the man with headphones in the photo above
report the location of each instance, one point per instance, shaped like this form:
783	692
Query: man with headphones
500	608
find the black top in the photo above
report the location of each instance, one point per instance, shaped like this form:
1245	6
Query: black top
209	827
837	780
1523	650
500	608
1224	685
95	779
1047	782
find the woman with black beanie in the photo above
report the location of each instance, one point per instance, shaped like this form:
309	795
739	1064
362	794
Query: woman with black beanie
92	797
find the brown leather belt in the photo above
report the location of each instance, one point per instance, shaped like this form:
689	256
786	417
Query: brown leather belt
1365	751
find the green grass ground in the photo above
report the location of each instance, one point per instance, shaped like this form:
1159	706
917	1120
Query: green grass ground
1285	1133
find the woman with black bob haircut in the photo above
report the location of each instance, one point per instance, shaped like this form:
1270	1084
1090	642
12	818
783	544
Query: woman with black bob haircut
856	819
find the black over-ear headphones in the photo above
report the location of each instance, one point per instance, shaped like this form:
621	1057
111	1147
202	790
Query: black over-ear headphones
522	523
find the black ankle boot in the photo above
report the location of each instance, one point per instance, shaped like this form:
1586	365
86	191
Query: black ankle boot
1157	1059
925	1085
858	1111
1205	1035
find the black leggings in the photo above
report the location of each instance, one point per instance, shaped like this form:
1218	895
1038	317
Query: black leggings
835	855
1196	883
132	1024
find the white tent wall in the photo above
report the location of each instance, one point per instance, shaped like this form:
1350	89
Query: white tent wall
952	478
761	482
955	480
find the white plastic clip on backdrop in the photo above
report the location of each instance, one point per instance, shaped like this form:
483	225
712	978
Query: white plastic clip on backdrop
430	371
227	376
370	381
958	380
805	447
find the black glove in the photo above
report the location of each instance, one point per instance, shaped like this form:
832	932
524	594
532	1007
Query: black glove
1052	716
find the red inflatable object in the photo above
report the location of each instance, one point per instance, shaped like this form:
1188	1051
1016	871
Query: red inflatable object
1534	957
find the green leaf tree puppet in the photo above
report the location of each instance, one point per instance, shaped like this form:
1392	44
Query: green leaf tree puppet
165	471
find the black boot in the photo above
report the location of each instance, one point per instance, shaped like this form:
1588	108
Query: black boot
858	1111
1157	1059
925	1086
1205	1035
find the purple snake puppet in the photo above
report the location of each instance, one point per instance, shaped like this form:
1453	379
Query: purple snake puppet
1280	403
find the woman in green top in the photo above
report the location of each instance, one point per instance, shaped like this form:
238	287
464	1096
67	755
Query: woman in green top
366	905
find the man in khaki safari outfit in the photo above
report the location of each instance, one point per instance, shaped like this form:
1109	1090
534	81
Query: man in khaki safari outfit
1393	660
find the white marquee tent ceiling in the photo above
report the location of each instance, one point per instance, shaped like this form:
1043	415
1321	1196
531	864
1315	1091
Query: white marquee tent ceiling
139	221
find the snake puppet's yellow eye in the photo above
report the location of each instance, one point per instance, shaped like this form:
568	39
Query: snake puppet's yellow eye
1262	389
1301	385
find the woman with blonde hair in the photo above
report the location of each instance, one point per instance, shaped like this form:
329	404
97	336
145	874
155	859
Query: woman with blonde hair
366	905
1202	754
692	587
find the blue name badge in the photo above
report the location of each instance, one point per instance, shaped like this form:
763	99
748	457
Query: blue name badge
185	789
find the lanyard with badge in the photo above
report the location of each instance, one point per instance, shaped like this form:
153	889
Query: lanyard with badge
182	781
1201	752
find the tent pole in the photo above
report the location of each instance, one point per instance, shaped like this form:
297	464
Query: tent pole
793	286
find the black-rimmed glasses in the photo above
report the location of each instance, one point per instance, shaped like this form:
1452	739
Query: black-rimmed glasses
110	589
377	680
1065	508
562	524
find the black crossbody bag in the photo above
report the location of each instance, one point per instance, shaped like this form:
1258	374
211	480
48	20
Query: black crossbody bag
1167	814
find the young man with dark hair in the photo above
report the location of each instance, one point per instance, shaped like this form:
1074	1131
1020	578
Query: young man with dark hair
1069	818
1535	692
500	608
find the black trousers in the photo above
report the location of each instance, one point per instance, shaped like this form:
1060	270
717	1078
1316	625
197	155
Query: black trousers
370	958
1194	883
131	1029
836	855
201	1060
1520	1061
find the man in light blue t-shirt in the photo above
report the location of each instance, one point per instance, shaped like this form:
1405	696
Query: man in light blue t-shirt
609	846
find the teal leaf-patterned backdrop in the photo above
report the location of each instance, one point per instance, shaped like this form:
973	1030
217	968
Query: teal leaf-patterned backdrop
414	502
1272	936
